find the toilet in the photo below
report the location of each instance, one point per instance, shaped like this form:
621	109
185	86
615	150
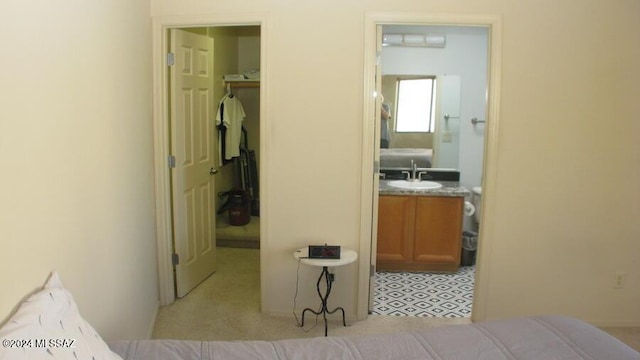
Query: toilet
470	238
476	200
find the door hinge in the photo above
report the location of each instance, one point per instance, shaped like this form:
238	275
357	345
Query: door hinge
175	259
372	270
172	161
376	166
171	59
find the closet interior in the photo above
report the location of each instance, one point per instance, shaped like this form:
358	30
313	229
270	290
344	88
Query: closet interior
237	96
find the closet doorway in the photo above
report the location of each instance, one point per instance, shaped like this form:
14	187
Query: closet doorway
236	71
214	101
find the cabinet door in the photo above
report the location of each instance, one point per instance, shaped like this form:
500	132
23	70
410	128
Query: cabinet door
396	219
438	229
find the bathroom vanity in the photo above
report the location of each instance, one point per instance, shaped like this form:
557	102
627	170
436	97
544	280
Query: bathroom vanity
420	229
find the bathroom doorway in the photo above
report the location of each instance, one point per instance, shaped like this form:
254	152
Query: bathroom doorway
453	59
477	100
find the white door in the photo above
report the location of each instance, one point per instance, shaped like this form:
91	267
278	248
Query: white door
192	145
376	176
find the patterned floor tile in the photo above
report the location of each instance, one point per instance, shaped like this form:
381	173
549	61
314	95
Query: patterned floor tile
424	294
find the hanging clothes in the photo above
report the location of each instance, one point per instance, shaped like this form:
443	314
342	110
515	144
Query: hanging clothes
230	117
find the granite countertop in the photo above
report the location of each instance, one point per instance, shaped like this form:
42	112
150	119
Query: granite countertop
449	188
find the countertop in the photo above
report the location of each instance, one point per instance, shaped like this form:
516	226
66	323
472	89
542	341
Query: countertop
449	188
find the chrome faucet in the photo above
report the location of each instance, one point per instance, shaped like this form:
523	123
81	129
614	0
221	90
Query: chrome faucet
414	169
413	175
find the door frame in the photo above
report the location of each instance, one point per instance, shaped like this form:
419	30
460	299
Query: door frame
162	150
370	184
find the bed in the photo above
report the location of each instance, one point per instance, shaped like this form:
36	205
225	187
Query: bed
401	158
47	325
538	337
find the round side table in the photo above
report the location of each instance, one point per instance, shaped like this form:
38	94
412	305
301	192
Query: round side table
347	256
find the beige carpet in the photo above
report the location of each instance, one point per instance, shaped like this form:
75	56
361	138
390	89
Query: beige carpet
226	306
244	236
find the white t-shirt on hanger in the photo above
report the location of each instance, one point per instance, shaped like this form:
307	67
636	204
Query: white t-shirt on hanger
232	117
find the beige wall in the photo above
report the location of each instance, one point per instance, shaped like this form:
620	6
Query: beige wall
567	167
249	58
225	61
76	186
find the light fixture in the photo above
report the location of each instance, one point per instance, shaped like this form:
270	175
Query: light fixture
421	40
435	40
391	39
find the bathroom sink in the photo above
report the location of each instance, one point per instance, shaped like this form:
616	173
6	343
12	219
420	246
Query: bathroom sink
415	185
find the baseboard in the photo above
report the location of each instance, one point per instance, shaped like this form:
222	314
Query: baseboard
608	324
596	323
332	318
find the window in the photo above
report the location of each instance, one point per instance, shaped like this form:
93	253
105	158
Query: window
416	105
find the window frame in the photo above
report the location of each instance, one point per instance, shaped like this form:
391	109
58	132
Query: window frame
431	118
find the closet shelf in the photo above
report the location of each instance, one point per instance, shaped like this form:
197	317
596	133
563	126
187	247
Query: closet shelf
244	83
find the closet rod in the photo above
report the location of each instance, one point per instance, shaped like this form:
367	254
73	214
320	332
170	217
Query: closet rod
243	84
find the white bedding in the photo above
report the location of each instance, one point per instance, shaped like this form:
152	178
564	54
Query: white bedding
540	337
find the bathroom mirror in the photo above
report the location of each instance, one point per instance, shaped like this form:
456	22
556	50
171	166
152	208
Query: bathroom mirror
460	70
398	139
437	144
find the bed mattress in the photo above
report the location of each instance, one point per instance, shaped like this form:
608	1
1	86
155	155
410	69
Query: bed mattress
540	337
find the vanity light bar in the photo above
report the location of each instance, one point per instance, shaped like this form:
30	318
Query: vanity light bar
424	40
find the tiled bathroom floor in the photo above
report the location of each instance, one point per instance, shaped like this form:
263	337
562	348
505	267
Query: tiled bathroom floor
424	294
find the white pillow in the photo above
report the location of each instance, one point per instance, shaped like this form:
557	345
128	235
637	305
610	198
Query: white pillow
48	326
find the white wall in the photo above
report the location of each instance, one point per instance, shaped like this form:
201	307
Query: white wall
560	226
76	187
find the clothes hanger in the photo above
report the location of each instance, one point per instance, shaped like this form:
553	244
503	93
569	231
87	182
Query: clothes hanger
229	93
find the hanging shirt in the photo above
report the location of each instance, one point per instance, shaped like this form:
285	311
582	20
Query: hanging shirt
231	115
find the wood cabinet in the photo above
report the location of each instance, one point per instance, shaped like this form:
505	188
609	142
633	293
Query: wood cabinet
419	233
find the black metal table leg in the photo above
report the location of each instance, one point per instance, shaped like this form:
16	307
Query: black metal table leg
323	298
